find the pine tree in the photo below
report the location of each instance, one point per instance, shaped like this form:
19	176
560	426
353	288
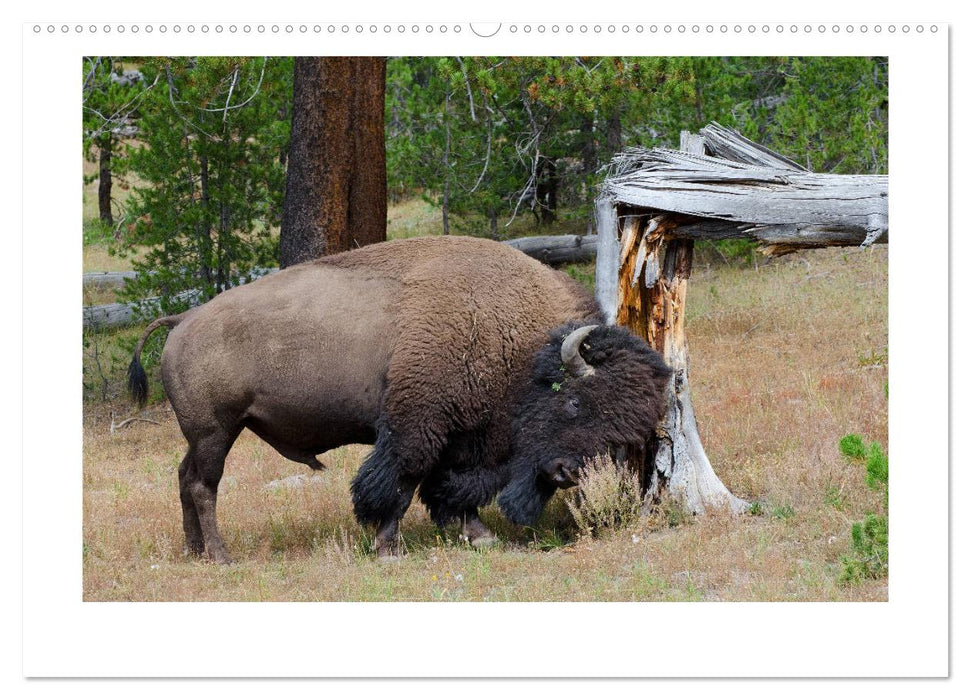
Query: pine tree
111	100
212	136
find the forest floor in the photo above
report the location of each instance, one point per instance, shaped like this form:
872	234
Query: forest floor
787	356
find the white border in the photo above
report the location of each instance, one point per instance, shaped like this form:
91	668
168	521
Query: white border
65	637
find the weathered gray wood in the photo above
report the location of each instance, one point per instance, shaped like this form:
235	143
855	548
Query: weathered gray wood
794	235
557	250
107	316
715	188
107	279
692	143
608	258
730	145
124	314
117	279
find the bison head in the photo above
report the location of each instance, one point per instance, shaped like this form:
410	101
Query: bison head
593	389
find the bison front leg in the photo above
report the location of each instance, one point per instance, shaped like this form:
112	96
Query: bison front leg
453	495
382	492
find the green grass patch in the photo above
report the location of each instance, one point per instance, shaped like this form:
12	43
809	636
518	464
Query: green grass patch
584	273
869	555
874	358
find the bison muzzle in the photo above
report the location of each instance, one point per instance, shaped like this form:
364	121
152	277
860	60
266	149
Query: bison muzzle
474	370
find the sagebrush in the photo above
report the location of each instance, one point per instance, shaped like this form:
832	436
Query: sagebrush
608	497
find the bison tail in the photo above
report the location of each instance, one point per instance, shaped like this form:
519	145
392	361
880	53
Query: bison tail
137	380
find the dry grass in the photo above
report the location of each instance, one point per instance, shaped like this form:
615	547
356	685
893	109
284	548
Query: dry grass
786	359
413	217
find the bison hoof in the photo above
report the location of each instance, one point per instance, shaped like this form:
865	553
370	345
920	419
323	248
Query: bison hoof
389	556
477	534
220	557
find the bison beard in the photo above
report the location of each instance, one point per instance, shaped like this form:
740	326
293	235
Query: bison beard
523	499
438	351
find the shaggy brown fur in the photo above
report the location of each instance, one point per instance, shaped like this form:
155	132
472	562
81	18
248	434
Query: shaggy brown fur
413	345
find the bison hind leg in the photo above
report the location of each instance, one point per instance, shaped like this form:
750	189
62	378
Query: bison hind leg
194	543
199	478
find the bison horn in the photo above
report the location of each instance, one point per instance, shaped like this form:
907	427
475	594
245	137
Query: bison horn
570	352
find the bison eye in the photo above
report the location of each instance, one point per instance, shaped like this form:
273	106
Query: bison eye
573	407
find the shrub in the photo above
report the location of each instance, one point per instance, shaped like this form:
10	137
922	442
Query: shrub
870	555
608	497
96	231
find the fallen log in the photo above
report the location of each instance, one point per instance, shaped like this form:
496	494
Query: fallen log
107	279
124	314
557	250
721	185
118	279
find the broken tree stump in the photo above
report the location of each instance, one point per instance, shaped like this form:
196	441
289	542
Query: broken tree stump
655	203
651	296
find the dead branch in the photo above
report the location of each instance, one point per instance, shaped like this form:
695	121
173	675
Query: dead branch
127	421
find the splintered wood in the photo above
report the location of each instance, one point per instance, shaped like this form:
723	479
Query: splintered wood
651	295
640	248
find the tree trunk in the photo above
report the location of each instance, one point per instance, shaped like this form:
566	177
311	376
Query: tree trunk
654	271
615	138
546	193
446	169
368	212
104	183
204	228
588	147
336	196
651	294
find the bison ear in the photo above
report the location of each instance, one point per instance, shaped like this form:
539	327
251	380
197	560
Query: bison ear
570	353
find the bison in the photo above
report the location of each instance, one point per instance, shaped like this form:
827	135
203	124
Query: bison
474	370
